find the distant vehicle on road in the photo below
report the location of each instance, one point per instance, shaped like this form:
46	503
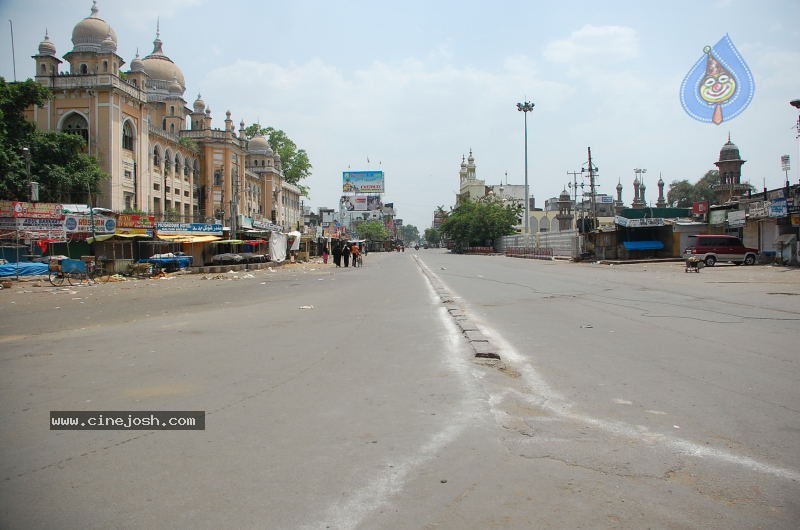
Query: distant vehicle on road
711	248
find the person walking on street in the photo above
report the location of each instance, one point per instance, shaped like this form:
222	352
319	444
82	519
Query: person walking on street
337	252
325	251
356	255
346	254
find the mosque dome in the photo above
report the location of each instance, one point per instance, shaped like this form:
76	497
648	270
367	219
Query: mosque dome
136	64
564	196
175	89
90	33
161	68
199	105
109	45
729	151
259	146
46	47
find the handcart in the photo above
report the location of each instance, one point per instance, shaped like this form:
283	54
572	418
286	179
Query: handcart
694	264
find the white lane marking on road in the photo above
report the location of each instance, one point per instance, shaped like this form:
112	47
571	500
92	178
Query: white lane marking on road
620	401
544	396
379	489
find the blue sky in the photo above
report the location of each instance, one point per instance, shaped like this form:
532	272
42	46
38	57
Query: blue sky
414	85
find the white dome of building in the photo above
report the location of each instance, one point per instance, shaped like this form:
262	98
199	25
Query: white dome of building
259	146
161	69
90	33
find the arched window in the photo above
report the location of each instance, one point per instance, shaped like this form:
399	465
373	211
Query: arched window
172	128
84	69
186	168
172	110
167	160
156	157
164	124
177	164
44	68
127	136
76	124
105	66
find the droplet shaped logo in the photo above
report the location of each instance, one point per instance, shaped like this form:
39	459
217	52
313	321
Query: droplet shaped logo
719	86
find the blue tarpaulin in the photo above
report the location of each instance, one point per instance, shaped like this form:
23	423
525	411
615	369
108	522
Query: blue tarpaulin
643	245
23	268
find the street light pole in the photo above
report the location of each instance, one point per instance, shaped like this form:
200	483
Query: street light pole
525	108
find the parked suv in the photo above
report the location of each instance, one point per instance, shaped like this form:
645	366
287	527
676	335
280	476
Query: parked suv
712	248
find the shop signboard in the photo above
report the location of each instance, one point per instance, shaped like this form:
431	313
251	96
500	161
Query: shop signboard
758	209
31	210
189	229
82	224
778	208
736	218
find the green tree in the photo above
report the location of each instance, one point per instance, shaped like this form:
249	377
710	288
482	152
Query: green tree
481	222
682	194
372	230
57	160
432	236
295	162
410	233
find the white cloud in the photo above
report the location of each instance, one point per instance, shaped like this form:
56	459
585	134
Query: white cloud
593	46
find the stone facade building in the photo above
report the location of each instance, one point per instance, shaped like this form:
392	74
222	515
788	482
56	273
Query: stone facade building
163	158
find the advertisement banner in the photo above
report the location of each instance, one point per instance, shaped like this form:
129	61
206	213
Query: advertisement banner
136	222
82	224
359	204
700	208
31	210
362	182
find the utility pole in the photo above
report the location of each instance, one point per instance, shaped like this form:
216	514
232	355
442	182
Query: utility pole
592	198
574	186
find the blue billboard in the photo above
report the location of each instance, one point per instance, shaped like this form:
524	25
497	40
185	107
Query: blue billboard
362	182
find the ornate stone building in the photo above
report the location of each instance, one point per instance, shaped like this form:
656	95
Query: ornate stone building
162	157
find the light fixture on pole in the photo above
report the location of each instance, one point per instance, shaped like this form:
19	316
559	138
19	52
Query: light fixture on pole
525	108
33	187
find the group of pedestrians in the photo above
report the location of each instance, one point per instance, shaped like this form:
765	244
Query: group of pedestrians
343	252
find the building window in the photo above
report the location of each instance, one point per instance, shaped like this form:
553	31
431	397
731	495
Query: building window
156	157
127	136
172	128
83	69
76	124
105	66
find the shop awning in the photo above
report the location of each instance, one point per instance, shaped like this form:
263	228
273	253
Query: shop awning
230	241
106	237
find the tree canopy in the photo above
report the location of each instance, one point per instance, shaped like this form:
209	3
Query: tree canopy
295	163
481	222
432	236
682	194
409	233
65	173
373	230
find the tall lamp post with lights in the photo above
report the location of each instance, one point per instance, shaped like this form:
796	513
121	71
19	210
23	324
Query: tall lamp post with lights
525	108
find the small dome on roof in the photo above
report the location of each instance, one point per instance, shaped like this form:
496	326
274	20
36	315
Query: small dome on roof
136	64
564	195
199	104
175	89
259	145
161	68
46	47
89	33
109	45
729	151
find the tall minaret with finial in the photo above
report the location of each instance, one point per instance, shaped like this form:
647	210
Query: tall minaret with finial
661	202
